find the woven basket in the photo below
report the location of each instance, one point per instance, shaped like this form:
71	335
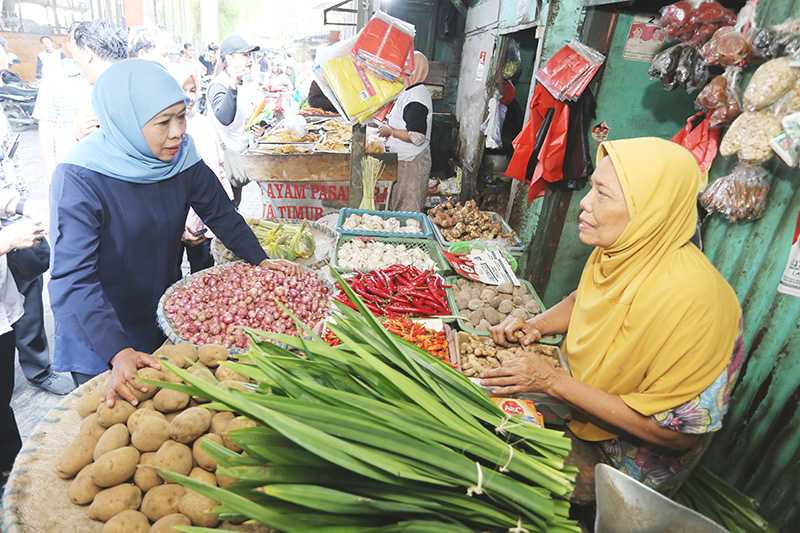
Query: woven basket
324	237
166	324
428	246
35	498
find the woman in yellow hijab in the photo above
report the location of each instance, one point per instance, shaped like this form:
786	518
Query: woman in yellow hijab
651	328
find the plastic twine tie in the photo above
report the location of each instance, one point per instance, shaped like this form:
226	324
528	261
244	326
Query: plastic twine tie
504	468
518	528
477	489
503	426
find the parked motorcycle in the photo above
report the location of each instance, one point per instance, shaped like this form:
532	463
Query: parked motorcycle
17	99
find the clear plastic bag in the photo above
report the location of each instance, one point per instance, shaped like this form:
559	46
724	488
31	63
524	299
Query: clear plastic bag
769	83
493	125
694	22
727	47
719	98
665	64
513	61
740	196
749	137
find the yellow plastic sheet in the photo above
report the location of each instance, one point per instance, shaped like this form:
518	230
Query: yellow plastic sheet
342	76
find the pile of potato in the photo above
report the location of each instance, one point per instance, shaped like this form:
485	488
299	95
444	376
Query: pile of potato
113	461
484	306
477	354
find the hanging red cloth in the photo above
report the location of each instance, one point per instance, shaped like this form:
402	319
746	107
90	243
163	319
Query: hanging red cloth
550	163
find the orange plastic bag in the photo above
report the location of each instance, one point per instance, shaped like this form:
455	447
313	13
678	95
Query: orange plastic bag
700	138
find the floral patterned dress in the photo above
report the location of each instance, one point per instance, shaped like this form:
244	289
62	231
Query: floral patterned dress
700	416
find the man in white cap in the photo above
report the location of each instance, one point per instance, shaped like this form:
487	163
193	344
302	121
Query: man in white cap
231	109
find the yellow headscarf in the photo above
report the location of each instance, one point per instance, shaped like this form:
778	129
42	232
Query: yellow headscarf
654	322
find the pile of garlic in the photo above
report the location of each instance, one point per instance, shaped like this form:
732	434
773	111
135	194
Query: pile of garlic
375	223
364	255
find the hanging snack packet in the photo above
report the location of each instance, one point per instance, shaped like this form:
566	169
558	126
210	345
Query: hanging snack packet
719	98
739	196
770	82
727	47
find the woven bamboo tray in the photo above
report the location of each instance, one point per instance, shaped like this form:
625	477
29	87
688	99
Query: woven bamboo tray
166	324
35	498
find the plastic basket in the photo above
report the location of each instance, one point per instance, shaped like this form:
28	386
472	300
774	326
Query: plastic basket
516	247
451	299
555	412
424	222
427	245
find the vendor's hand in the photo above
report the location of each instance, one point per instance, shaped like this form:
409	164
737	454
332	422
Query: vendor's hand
524	374
287	267
20	235
191	240
124	368
514	330
258	131
385	131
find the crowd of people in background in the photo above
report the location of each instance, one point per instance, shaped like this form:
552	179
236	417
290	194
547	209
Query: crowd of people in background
221	87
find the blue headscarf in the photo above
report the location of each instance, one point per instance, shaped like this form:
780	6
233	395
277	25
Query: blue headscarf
125	98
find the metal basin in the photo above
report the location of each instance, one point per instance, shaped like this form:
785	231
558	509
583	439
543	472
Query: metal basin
625	505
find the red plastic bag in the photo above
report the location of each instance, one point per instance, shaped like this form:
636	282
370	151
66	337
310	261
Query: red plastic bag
700	138
550	163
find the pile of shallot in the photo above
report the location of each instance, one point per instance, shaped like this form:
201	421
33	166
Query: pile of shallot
211	308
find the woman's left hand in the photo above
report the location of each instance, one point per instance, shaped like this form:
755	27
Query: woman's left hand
192	240
287	267
528	373
385	131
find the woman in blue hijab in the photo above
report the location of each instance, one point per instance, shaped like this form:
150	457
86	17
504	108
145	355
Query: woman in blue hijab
118	206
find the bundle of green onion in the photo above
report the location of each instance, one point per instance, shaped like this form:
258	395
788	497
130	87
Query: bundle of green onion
377	435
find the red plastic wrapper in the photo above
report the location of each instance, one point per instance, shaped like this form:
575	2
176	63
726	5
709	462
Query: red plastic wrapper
695	25
567	74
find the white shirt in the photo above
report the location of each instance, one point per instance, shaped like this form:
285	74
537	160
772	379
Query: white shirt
10	299
407	151
233	136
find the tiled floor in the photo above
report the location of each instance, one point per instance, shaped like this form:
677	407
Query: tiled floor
31	403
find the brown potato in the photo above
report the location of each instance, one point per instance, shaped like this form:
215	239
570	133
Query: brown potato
190	424
169	401
203	477
147	404
140	414
111	502
108	416
76	456
220	421
89	401
146	373
162	501
146	476
171	376
212	355
171	416
151	432
114	437
203	459
82	490
175	457
224	481
169	522
115	467
224	373
237	423
181	355
90	427
199	509
129	521
236	385
201	371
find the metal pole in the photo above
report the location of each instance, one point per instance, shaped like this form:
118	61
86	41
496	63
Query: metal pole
359	139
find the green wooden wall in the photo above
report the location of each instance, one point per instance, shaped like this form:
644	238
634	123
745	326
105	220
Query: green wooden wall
633	106
758	449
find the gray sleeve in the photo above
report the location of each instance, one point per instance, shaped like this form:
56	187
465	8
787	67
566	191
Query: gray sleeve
223	102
